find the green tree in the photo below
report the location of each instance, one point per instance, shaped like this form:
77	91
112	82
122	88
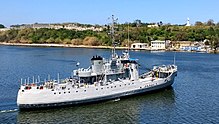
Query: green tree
2	26
214	42
198	23
91	41
77	41
210	22
3	36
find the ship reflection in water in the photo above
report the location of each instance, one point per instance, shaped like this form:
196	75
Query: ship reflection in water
135	109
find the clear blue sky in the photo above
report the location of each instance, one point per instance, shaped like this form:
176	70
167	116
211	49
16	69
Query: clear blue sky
97	11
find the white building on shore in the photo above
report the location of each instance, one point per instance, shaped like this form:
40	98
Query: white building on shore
139	46
158	45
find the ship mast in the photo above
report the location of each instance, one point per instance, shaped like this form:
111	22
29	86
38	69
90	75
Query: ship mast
113	37
128	40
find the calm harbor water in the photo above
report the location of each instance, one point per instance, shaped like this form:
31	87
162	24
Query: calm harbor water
193	98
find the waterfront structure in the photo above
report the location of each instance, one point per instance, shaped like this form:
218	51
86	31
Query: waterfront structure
190	48
180	44
158	45
139	46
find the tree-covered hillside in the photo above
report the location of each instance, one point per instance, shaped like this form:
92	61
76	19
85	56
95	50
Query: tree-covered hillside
138	32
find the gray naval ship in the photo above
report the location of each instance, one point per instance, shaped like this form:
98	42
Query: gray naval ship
105	79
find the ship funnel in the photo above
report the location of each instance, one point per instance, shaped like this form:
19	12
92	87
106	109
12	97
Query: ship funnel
97	64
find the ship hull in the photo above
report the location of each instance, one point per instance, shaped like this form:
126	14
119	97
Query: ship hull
99	99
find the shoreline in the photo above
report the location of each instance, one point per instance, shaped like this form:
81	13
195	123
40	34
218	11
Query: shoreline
93	47
64	45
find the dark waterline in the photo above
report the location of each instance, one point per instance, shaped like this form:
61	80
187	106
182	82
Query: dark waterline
193	97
